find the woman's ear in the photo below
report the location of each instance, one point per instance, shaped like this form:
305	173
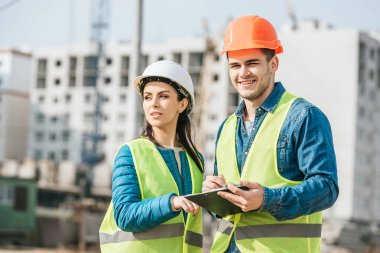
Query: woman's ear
182	105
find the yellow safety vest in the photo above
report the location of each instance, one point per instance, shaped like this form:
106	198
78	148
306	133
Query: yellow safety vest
155	180
260	231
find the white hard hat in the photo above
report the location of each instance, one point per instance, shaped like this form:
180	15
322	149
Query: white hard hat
171	73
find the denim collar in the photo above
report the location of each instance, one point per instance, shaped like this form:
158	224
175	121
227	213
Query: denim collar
270	102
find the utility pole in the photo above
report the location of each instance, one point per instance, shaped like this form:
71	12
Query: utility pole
135	119
92	152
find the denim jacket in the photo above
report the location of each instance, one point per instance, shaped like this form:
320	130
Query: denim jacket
305	152
130	213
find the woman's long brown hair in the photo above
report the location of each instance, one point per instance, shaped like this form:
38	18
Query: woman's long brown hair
183	131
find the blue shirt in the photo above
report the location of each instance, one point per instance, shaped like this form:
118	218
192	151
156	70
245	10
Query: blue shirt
130	212
305	152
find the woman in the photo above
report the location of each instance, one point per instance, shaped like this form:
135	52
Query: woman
147	212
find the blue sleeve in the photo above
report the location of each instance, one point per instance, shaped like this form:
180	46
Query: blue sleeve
130	213
316	159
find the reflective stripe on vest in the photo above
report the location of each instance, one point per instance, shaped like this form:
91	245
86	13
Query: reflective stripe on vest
271	230
172	235
260	231
159	232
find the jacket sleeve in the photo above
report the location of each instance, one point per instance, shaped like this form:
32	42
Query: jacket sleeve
130	212
316	159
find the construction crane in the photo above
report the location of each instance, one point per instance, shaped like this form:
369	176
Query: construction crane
202	91
92	152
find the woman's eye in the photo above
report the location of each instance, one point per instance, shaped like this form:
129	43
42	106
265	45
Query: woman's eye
146	97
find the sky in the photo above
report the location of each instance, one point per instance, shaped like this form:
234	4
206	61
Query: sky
34	24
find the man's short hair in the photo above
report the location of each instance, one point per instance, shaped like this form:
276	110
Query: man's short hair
269	53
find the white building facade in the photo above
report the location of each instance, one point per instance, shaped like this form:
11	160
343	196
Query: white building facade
63	96
15	74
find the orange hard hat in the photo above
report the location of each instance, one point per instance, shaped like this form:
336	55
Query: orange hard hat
251	32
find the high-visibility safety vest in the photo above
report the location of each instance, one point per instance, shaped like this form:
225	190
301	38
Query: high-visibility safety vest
155	180
259	231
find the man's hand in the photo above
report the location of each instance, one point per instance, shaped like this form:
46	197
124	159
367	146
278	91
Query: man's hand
213	182
246	200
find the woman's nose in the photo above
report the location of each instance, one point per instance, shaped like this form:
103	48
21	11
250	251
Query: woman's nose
155	103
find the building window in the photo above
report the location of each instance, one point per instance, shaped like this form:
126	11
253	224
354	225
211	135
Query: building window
51	155
124	81
40	117
195	78
87	116
216	77
37	154
6	194
41	99
41	83
177	57
372	53
90	67
123	98
144	61
371	74
195	59
233	99
105	99
41	66
120	136
125	63
55	100
72	80
90	63
58	63
89	81
20	203
73	64
107	80
65	135
87	98
52	136
54	119
57	82
109	61
121	117
68	98
65	154
39	136
66	118
124	73
160	58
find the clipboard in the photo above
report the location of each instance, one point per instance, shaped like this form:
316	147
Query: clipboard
214	203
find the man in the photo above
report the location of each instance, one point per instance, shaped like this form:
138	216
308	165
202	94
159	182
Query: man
278	145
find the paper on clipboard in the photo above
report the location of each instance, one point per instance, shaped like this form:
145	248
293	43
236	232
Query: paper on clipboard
214	203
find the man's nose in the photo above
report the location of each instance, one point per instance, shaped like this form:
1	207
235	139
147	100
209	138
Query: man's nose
244	71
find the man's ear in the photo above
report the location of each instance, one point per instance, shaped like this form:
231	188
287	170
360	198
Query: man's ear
274	64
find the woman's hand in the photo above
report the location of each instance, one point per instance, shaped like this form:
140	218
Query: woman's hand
178	203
